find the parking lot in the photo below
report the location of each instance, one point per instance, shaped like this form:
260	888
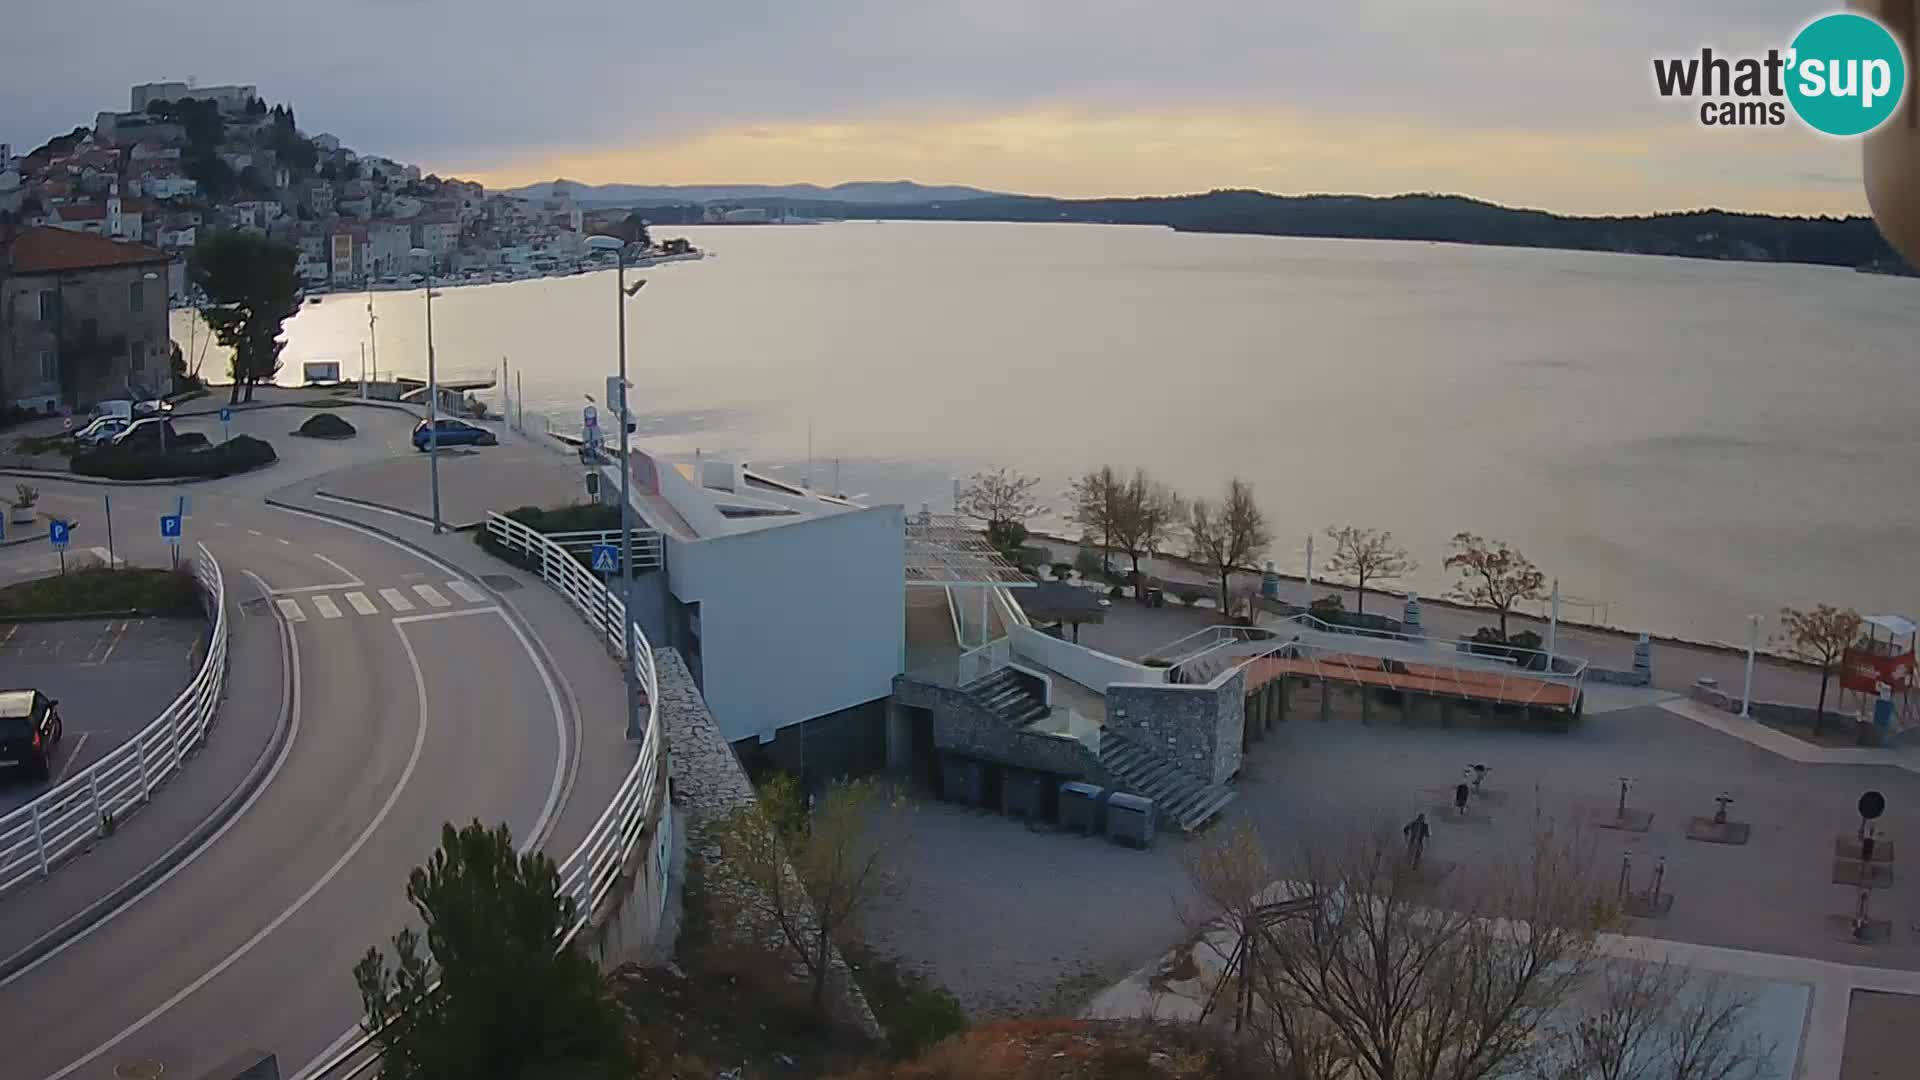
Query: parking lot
111	677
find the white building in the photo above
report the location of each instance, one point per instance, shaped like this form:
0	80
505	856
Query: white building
789	605
231	98
389	244
439	236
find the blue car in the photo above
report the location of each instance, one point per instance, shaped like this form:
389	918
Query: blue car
453	433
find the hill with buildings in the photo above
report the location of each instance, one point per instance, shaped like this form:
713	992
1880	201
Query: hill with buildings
183	159
877	192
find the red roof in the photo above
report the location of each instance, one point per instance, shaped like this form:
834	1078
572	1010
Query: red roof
44	250
82	212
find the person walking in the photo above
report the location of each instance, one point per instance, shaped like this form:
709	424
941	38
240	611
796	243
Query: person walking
1416	833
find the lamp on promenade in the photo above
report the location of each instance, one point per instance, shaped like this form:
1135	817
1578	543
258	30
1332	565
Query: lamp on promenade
1746	691
621	295
433	395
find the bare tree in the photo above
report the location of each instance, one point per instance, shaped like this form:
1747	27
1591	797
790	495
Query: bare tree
1492	574
1097	506
1001	500
1148	512
1363	555
1822	637
1228	534
1656	1021
807	875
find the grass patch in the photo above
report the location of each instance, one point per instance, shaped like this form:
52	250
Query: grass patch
915	1014
62	444
96	588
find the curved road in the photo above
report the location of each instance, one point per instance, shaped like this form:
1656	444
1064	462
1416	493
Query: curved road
413	701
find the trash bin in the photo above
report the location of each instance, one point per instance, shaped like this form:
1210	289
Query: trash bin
1156	596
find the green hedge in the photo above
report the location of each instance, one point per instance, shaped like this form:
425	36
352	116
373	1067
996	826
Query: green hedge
237	455
96	588
580	517
326	426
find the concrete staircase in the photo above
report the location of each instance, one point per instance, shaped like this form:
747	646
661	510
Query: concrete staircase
1178	795
1011	696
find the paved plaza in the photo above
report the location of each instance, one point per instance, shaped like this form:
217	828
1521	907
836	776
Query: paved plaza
1016	920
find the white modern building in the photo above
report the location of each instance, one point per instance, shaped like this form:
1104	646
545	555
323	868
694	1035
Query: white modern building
788	604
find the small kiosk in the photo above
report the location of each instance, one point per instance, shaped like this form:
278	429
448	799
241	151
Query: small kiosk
1877	675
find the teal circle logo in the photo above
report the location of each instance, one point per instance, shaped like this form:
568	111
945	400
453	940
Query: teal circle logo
1846	74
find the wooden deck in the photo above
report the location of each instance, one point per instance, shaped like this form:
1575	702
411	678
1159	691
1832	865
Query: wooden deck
1440	681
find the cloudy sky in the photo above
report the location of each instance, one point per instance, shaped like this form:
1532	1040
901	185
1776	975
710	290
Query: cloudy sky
1543	103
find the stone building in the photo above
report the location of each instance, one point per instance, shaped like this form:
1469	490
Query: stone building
82	317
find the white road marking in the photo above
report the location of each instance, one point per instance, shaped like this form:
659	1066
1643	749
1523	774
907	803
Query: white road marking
290	608
223	524
352	578
432	596
247	946
395	600
108	557
255	532
315	588
72	756
289	543
326	607
466	592
361	604
290	708
435	616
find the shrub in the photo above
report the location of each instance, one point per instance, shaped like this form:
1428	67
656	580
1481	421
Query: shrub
25	495
1088	563
96	588
1328	608
326	425
239	454
190	440
1061	570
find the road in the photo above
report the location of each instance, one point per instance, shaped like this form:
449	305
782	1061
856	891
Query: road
413	701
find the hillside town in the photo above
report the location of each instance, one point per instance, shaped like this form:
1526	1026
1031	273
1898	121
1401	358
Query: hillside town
183	159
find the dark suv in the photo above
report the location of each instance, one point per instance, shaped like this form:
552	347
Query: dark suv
29	728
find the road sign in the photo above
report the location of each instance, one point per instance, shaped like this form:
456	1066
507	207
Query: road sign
606	558
226	414
170	528
57	533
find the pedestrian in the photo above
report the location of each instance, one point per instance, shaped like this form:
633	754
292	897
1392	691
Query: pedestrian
1460	794
1416	833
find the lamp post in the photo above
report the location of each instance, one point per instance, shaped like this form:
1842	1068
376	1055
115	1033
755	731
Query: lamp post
1746	691
622	295
433	397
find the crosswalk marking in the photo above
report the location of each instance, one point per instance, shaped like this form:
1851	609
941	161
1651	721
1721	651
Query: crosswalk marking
291	609
361	604
396	600
432	596
466	592
326	607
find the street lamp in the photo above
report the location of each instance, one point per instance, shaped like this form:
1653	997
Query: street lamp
433	396
1746	691
622	295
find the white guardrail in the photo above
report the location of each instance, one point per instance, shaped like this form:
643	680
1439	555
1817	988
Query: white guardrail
591	872
92	802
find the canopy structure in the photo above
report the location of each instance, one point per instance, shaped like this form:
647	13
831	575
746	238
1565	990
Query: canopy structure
944	550
1898	626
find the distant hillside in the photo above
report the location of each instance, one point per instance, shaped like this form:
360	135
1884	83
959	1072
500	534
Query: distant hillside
873	192
1708	234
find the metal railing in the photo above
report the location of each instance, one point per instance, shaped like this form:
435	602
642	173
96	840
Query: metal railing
93	801
648	549
591	872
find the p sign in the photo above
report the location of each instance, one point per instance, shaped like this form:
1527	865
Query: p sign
606	558
57	533
226	414
170	528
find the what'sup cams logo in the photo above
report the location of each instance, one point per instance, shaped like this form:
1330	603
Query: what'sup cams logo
1844	75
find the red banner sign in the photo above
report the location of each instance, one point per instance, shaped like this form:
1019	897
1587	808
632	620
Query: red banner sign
1866	672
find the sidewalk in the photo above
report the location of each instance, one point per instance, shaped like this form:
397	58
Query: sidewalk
588	679
206	792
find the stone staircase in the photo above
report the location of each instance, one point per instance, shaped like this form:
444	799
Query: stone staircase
1178	795
1011	696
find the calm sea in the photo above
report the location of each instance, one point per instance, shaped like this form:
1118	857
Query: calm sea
1685	442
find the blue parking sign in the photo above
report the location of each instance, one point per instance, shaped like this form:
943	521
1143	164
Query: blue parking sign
57	533
606	558
170	528
226	414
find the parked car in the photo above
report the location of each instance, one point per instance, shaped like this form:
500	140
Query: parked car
453	432
29	729
101	430
146	431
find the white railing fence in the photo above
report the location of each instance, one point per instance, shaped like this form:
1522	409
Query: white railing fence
590	874
647	546
93	801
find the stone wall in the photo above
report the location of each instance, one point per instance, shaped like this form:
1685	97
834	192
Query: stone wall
1771	712
1199	728
1620	678
708	785
962	726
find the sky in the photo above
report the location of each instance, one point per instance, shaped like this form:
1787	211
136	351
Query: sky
1541	103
